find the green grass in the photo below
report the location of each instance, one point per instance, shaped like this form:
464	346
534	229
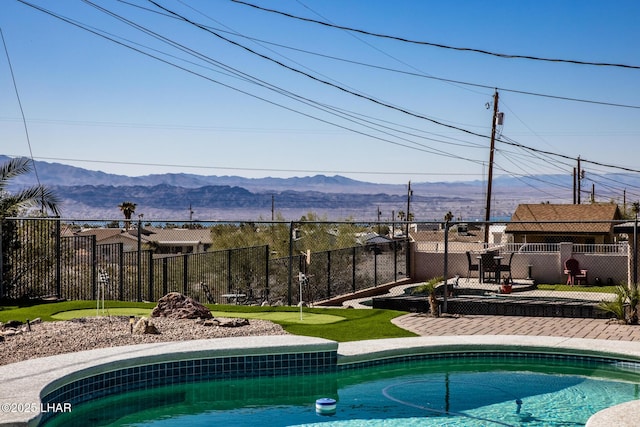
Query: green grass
331	323
46	311
567	288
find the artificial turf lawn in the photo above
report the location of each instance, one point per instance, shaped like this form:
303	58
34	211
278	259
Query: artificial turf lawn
336	324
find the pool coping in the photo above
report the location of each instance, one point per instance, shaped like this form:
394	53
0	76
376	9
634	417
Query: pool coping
24	382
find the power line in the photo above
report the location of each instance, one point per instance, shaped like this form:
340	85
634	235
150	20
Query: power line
464	49
359	95
281	91
343	172
395	70
564	156
24	120
457	82
316	118
307	101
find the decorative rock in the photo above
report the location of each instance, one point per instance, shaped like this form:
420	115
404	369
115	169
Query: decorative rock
234	323
177	306
13	324
211	322
145	326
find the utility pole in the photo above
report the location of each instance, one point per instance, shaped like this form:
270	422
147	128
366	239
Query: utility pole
487	213
407	249
409	193
579	177
575	178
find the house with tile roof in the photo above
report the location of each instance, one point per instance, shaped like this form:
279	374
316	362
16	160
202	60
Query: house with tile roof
162	240
179	240
555	223
108	236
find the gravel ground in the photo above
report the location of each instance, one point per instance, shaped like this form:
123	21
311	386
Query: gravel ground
51	338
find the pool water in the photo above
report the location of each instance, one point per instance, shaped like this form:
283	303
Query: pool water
478	392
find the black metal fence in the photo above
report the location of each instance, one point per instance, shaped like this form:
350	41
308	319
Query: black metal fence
254	262
210	261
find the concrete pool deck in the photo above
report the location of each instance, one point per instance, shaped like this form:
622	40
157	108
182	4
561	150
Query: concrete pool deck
25	382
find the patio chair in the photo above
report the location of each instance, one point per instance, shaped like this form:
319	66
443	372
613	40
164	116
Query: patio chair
507	267
574	273
489	267
471	266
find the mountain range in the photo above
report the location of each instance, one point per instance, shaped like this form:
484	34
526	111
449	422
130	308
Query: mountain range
88	194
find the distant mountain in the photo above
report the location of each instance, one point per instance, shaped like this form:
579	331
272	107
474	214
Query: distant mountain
94	194
59	174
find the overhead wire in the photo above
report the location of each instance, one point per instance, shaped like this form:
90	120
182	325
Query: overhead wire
351	113
253	169
24	119
394	70
366	43
373	100
325	82
501	139
439	45
261	43
425	149
325	107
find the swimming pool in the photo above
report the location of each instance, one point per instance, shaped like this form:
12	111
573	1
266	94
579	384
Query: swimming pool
113	372
471	389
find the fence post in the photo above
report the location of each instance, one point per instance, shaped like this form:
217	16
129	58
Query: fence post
353	269
165	276
94	269
139	275
635	251
267	253
375	266
328	274
185	274
121	271
395	260
229	278
150	278
446	266
59	259
290	277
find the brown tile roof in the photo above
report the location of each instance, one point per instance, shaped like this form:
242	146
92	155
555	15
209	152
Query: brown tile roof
102	233
187	235
552	218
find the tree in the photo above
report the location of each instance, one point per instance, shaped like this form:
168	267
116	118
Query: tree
37	195
11	204
128	209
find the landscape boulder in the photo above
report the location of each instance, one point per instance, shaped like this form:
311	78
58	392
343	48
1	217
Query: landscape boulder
175	305
145	326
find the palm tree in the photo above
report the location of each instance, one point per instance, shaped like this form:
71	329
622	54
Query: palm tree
128	209
10	204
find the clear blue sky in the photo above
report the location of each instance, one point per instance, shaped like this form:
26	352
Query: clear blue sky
92	103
